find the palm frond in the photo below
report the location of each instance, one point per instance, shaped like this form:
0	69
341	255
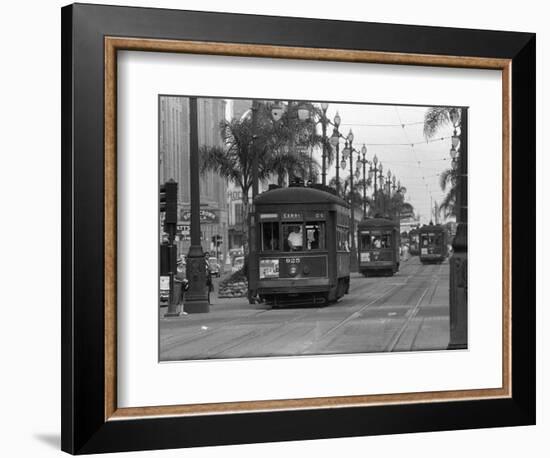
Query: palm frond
434	119
446	177
449	203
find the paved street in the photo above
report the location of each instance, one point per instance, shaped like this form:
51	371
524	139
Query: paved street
409	311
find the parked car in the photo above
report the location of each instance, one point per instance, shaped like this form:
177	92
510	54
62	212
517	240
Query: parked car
214	267
238	263
164	290
234	253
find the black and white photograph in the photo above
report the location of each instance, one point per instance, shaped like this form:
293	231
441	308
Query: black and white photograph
275	229
310	227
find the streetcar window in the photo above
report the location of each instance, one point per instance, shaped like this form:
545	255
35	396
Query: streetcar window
293	237
430	239
315	235
342	238
346	239
375	241
365	242
270	236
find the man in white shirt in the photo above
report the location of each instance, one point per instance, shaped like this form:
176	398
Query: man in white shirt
295	239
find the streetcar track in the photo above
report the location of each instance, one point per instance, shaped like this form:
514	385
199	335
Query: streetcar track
417	271
201	333
397	336
254	334
436	280
417	333
414	311
359	312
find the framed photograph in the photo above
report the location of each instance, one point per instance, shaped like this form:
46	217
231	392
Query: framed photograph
284	228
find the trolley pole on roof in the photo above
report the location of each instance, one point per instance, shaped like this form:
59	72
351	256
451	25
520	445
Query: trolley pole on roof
196	299
458	288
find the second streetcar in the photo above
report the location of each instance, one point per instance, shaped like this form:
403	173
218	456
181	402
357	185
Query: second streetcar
378	246
432	243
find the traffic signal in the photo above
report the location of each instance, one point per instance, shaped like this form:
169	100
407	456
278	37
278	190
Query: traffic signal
169	201
219	240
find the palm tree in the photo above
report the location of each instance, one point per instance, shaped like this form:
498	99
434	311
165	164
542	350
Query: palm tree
291	142
234	161
277	145
330	152
447	178
434	119
345	190
288	163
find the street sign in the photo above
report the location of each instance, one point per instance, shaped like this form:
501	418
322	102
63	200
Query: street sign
206	216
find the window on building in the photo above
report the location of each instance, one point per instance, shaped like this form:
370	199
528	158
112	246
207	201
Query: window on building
238	213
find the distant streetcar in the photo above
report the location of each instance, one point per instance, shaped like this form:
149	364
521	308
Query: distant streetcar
378	246
432	243
301	235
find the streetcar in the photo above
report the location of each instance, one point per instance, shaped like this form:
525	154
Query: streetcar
302	255
432	243
413	242
378	246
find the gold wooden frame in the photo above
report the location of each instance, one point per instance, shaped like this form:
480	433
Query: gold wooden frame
114	44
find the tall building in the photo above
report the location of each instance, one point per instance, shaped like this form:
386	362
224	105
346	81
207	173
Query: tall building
174	164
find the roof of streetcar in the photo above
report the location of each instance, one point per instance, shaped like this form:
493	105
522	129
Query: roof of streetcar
376	222
432	228
298	195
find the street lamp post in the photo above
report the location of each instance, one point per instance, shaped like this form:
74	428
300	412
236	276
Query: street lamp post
375	170
196	298
349	152
324	122
335	142
364	162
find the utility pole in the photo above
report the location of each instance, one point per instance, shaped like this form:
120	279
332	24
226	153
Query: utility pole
252	257
458	264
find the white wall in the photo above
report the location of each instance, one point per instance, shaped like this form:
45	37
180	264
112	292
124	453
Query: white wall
30	252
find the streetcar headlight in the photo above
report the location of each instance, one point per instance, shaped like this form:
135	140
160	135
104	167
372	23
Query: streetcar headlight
292	271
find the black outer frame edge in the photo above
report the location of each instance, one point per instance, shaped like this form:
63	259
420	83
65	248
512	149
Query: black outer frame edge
174	432
160	23
83	427
67	413
524	228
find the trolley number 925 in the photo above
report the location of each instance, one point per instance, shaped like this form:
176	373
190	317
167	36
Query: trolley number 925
292	260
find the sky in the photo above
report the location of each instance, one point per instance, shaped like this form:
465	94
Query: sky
394	133
389	132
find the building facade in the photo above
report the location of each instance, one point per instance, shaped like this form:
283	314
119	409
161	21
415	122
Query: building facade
174	152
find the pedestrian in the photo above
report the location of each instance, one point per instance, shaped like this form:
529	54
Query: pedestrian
209	283
295	239
181	283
